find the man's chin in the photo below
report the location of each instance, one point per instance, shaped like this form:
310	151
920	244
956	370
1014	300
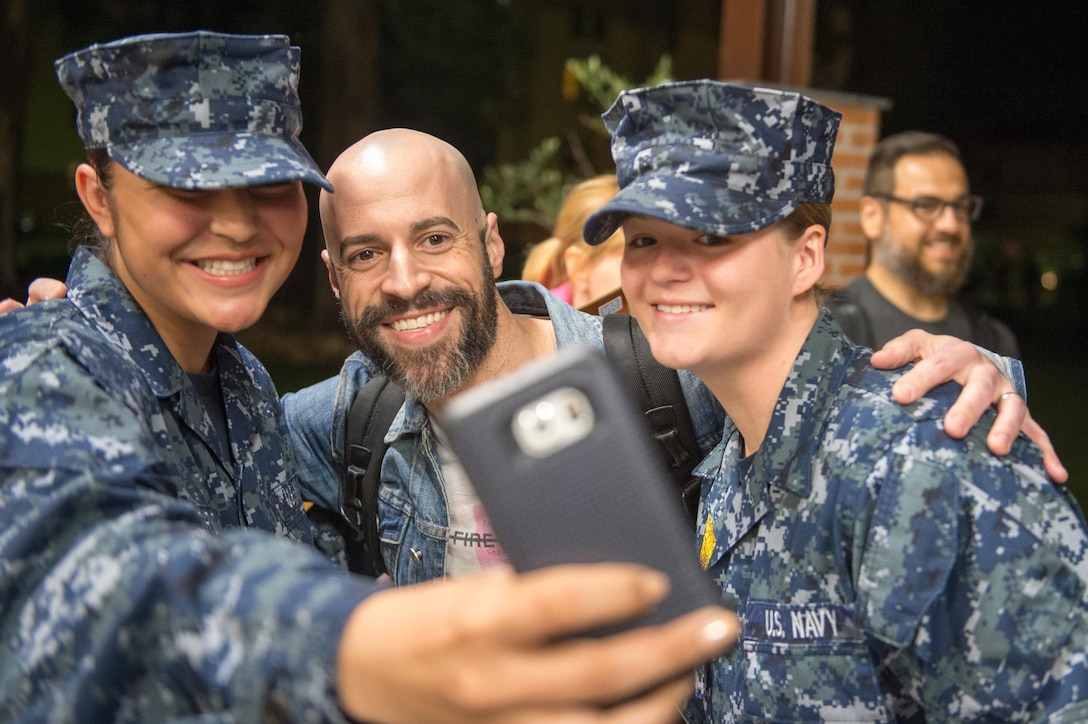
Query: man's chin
411	363
942	283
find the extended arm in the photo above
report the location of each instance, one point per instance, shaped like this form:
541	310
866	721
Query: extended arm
117	596
489	651
941	359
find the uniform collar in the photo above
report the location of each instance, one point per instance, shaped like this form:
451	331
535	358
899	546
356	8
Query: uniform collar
109	308
107	305
821	366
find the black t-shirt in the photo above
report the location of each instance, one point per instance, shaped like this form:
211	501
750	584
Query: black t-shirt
210	394
871	320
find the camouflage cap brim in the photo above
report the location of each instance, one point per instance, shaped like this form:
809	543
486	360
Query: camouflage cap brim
690	202
219	161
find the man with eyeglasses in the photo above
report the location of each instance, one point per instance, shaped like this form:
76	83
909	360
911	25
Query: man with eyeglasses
916	213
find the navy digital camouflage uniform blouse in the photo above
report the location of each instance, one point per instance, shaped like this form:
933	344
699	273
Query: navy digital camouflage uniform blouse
885	571
142	576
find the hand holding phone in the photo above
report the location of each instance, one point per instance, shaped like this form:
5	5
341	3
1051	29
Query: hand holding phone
566	469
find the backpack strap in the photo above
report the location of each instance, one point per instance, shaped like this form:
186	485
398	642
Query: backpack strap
657	390
852	317
368	421
655	387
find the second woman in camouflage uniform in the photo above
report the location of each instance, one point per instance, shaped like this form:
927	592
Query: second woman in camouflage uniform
883	570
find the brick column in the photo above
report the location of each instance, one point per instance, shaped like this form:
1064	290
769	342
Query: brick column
847	249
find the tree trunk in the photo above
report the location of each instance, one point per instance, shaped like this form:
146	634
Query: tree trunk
14	39
349	107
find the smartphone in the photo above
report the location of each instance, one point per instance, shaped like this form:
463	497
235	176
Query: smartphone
568	473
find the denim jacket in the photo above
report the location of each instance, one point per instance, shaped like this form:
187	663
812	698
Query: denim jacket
412	509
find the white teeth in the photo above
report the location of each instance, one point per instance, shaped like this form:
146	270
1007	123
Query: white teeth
403	325
681	308
226	268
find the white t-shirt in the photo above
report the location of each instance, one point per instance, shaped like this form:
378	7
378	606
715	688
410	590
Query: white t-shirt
471	545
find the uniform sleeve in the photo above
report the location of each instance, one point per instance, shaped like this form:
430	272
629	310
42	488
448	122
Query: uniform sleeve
977	568
1012	369
117	604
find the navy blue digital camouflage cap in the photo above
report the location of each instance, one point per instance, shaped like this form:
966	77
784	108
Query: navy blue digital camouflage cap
197	110
716	157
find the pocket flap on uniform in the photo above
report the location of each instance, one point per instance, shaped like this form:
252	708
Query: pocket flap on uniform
910	549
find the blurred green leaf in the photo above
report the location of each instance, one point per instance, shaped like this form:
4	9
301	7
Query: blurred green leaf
531	190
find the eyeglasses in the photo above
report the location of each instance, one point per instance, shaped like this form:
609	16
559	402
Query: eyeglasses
930	208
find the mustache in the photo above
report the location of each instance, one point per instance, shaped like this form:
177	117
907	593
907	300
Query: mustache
946	238
373	316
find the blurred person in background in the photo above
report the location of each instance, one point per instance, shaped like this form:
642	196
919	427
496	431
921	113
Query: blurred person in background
916	213
574	271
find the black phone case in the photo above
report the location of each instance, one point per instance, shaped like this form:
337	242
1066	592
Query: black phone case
604	497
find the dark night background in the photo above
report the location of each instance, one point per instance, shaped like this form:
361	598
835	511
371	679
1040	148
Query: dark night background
1005	80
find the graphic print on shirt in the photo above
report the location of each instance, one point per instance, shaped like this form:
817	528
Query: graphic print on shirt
471	544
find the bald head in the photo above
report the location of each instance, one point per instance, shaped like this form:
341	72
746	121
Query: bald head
398	164
413	258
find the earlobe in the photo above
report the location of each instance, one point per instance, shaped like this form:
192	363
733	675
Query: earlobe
871	217
95	198
573	257
810	258
333	281
494	245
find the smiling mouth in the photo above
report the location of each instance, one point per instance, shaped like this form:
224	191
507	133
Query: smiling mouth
681	308
223	267
405	325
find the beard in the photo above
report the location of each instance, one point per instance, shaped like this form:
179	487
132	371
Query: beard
440	369
907	265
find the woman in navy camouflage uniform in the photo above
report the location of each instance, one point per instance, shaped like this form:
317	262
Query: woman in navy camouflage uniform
132	416
883	570
155	560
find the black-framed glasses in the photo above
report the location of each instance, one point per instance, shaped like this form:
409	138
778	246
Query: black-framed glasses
930	208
